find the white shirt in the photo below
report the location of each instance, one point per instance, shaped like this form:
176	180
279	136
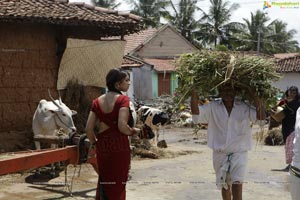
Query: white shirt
296	150
228	134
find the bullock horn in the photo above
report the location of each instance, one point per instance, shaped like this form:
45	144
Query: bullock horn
59	98
52	98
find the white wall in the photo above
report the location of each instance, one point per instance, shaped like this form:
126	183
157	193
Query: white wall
166	44
130	91
287	80
143	82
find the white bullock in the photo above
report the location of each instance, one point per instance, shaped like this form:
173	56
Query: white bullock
49	117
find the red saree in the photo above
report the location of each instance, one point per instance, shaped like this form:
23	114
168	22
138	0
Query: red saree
113	153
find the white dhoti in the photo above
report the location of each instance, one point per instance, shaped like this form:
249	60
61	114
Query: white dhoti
230	168
295	183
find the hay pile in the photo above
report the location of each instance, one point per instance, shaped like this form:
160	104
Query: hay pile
75	98
206	70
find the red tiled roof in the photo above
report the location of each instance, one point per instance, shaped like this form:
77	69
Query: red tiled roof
136	39
290	64
129	61
61	12
162	65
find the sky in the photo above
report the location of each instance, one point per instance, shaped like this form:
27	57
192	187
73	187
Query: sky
278	9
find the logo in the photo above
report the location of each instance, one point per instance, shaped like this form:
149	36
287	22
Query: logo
266	5
281	4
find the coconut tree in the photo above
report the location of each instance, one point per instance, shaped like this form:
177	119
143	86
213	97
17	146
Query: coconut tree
252	31
279	38
183	17
150	10
263	36
215	26
106	3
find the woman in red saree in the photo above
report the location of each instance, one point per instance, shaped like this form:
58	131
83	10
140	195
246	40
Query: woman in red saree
112	145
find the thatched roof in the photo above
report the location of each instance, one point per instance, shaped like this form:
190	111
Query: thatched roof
61	12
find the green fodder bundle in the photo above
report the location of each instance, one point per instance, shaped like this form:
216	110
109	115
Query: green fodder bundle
256	74
203	71
206	70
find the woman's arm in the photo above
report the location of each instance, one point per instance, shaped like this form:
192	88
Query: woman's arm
90	125
123	122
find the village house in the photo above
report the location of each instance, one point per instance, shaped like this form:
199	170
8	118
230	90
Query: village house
157	48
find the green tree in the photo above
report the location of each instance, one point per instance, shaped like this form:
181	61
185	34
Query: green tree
106	3
183	17
279	38
150	10
260	35
247	39
215	26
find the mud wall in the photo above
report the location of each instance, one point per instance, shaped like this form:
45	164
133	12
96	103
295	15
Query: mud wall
28	67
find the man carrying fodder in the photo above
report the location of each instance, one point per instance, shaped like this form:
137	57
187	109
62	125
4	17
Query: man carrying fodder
229	119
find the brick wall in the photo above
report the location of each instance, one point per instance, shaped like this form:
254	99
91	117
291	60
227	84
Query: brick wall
28	67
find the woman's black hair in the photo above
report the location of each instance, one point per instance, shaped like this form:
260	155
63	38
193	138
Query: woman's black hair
113	76
293	88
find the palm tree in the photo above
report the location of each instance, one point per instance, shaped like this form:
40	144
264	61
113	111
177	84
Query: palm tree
150	10
260	36
183	18
106	3
247	39
280	40
215	26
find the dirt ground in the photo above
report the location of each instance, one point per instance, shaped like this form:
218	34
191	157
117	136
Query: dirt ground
184	173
